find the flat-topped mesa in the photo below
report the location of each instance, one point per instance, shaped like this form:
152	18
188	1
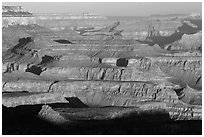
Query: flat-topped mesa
13	15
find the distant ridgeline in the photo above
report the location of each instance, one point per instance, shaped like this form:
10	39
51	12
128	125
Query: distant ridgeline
185	15
12	15
64	16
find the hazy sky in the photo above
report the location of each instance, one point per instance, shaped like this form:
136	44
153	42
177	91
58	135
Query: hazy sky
113	8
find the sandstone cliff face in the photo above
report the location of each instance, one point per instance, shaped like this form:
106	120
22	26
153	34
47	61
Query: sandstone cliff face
16	15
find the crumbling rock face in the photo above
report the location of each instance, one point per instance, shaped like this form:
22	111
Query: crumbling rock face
145	64
189	96
191	78
22	53
97	93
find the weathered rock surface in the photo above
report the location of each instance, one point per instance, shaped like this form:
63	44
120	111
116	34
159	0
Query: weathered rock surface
193	42
12	15
101	93
17	99
77	79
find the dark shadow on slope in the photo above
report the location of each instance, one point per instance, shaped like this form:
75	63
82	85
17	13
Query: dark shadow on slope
186	29
113	113
122	62
164	40
18	51
23	120
99	60
46	59
74	102
11	92
197	22
38	69
63	41
21	53
179	91
35	70
22	43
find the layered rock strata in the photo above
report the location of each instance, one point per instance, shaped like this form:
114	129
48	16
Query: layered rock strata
75	80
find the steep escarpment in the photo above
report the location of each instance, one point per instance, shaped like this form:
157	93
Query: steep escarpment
16	15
